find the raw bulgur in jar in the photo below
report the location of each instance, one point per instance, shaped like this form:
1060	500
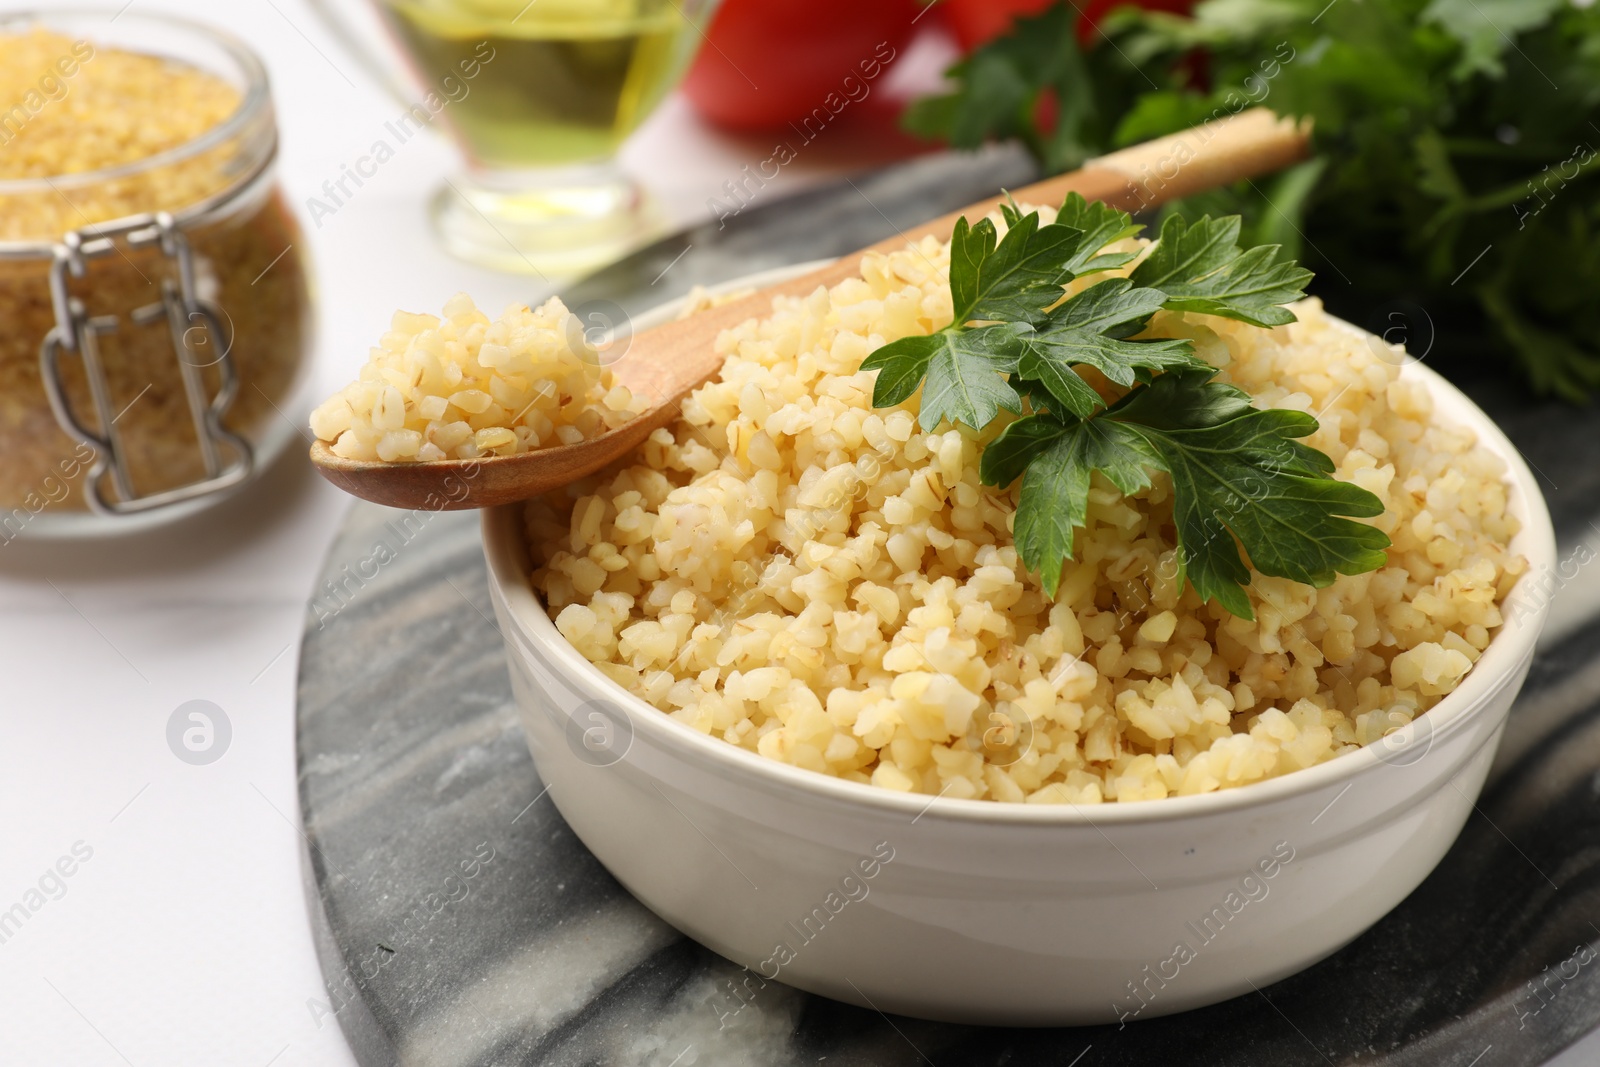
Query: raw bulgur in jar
100	122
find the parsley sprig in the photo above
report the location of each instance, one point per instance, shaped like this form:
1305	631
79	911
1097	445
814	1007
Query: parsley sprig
1240	475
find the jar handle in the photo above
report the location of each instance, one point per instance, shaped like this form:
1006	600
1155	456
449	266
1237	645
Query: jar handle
76	330
55	392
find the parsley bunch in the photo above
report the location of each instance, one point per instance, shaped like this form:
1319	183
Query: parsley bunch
1458	150
1240	476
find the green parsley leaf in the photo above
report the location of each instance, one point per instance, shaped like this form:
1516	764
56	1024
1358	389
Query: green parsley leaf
962	369
902	364
1008	455
1247	475
1239	477
1088	330
963	378
1201	268
1015	281
1054	500
1101	224
1485	28
1003	83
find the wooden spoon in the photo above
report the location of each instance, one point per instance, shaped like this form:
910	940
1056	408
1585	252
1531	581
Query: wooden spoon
668	362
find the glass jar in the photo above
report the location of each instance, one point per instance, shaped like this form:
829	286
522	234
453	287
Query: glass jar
158	311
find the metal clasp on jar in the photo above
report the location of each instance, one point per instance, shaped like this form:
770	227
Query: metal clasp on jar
188	317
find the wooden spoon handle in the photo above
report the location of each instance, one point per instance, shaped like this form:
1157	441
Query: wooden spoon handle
667	362
1141	176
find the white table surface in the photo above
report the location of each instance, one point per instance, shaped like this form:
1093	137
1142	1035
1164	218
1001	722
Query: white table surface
183	939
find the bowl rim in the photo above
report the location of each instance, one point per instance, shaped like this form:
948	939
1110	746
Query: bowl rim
1508	650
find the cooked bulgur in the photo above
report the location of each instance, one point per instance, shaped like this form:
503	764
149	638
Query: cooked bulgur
463	387
786	568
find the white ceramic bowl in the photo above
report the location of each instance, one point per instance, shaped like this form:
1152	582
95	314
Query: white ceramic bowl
981	912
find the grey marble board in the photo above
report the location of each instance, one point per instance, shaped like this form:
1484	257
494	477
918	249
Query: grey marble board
459	921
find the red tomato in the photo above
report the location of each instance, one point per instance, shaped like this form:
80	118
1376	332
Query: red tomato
767	63
975	22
